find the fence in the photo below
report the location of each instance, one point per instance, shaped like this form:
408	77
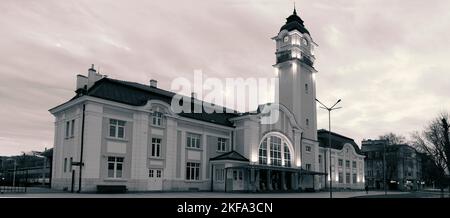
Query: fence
13	189
13	181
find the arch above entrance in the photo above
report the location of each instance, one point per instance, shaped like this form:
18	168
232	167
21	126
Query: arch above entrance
276	149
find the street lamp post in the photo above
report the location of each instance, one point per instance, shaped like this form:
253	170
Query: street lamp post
329	109
14	172
43	166
384	168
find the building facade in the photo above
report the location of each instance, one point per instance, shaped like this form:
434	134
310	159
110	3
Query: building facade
126	134
399	165
347	162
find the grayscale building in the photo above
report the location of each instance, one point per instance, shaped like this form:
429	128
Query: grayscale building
403	166
347	161
126	134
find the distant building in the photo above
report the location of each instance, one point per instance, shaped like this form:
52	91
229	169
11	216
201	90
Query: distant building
403	166
347	161
28	168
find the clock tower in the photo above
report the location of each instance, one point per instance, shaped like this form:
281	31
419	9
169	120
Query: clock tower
295	69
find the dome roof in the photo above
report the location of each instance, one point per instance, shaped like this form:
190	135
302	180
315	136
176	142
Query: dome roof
294	22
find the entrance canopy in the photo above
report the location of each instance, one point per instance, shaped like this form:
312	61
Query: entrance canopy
277	168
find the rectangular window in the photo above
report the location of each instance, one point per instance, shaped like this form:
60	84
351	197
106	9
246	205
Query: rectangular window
354	164
308	148
192	171
157	118
156	147
65	164
70	164
193	140
340	162
308	167
151	173
347	178
306	88
320	158
219	174
240	175
307	122
158	173
354	178
347	164
221	144
116	128
234	174
72	128
115	165
67	129
341	179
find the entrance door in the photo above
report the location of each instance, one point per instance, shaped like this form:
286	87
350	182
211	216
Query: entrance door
238	180
155	179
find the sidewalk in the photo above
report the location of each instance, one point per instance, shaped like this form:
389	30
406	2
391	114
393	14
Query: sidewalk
48	193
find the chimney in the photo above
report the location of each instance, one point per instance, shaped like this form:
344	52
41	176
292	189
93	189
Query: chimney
153	83
82	82
93	77
92	70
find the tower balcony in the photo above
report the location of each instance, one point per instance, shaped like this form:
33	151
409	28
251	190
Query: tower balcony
287	56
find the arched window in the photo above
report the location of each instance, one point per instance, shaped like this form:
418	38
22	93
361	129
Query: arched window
274	150
263	152
287	156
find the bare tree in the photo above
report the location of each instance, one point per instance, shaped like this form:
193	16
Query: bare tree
434	141
391	155
393	139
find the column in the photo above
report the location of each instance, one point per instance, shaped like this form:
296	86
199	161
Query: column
251	183
269	181
294	179
258	187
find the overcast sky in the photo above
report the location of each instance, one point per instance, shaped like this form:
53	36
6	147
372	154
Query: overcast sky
388	60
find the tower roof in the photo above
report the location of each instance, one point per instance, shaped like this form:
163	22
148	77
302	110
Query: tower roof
294	22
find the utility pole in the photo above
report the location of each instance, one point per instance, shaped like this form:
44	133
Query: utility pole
384	168
81	147
14	172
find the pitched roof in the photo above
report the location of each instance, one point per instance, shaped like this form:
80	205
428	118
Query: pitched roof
337	141
232	155
136	94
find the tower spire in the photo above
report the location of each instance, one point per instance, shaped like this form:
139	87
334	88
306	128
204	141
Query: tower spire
295	10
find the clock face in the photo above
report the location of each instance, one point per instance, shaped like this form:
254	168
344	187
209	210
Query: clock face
286	38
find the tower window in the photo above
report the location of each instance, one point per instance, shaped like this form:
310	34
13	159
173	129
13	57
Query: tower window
307	122
306	88
305	42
